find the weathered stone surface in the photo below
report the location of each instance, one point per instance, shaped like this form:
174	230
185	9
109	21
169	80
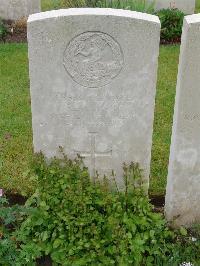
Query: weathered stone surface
16	9
187	6
183	188
93	80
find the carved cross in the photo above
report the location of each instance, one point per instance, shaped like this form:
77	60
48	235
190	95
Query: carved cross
93	154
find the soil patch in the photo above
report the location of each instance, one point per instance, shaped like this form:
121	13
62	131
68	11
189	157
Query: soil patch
44	261
14	199
17	31
174	41
158	201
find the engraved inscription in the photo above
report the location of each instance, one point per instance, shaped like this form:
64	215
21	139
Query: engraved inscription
93	154
73	108
93	59
192	117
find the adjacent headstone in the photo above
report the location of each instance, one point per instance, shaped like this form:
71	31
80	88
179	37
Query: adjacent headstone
93	81
16	9
183	187
187	6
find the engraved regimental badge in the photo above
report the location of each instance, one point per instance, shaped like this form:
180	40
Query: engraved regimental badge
93	59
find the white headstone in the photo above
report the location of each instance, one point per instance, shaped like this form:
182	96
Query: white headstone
16	9
183	187
186	6
93	81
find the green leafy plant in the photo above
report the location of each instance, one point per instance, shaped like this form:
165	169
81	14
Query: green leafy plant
171	24
81	222
3	31
77	221
10	220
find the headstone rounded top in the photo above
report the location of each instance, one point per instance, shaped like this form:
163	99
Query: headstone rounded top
192	18
94	11
93	59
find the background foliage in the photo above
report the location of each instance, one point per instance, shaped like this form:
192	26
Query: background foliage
136	5
171	24
3	30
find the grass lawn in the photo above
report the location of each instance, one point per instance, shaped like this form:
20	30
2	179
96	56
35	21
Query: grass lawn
197	6
15	122
166	88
